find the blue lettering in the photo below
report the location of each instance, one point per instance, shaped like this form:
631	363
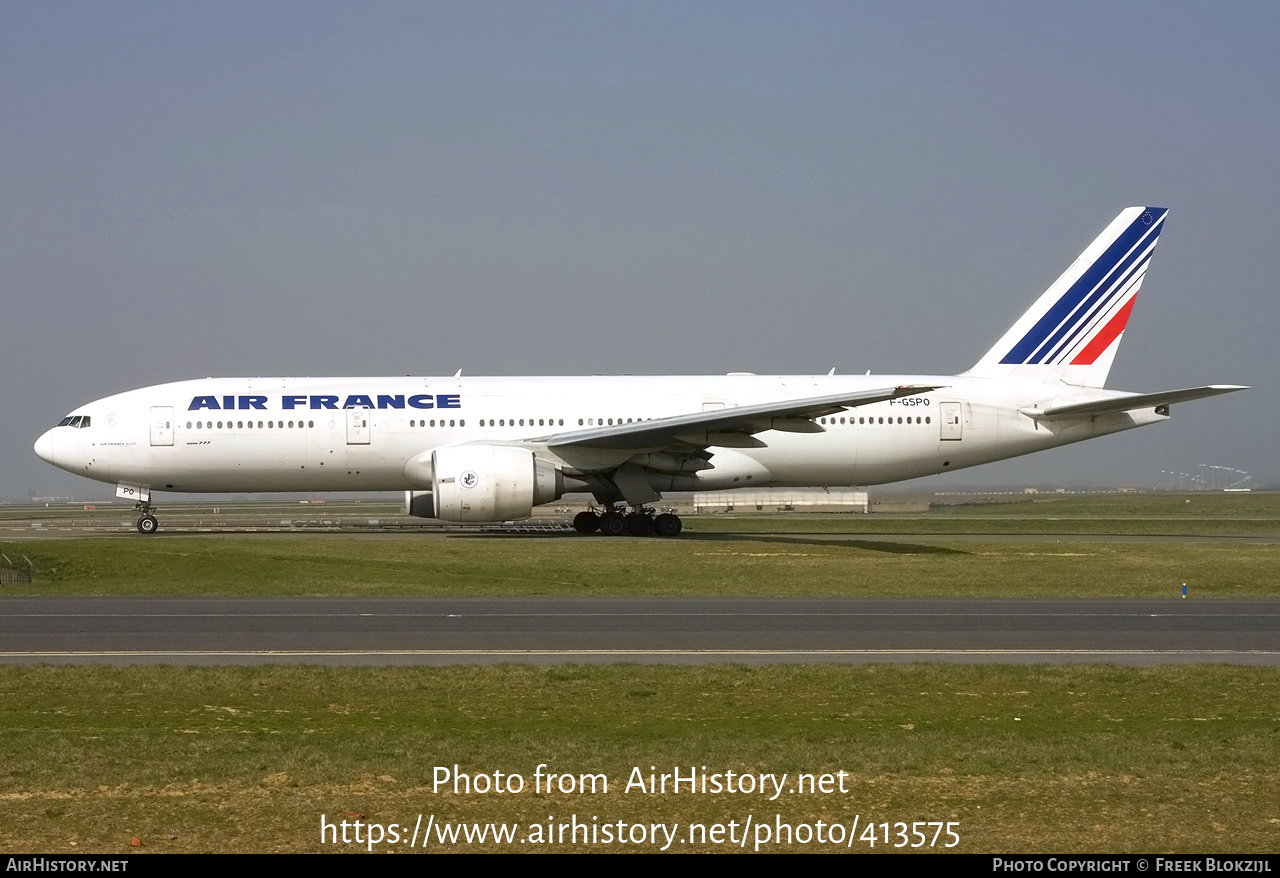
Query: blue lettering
324	401
253	402
203	402
421	401
390	402
228	402
448	401
358	400
293	402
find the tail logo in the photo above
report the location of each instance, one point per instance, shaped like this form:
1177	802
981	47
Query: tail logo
1093	311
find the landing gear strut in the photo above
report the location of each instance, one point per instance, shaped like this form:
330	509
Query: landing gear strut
639	522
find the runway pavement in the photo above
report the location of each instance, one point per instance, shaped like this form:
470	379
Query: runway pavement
440	631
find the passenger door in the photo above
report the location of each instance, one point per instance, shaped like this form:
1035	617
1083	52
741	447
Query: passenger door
359	426
162	425
952	420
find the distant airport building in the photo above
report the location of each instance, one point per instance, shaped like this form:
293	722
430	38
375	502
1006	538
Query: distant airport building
783	500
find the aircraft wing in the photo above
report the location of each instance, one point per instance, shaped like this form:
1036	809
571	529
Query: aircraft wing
1130	402
732	427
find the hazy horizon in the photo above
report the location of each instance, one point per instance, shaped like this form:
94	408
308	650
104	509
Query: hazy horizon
664	188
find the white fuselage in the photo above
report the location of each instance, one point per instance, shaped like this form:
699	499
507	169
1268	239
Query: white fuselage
358	434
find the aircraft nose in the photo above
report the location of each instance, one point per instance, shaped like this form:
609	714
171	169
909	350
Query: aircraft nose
44	447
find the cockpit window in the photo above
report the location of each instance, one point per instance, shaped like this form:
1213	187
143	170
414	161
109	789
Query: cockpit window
66	422
78	421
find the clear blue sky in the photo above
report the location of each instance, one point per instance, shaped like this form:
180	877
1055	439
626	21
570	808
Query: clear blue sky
191	189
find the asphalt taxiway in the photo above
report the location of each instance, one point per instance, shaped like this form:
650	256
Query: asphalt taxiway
437	631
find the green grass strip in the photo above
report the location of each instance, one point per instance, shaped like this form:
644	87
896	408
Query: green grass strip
1024	758
707	565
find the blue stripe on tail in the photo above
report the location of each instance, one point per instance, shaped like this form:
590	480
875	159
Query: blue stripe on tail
1118	258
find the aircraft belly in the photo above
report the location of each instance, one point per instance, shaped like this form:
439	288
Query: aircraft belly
809	460
889	454
312	459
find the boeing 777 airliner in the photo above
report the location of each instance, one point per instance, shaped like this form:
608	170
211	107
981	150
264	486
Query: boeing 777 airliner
491	449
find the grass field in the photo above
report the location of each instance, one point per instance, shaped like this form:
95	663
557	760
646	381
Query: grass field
1218	544
1024	759
700	565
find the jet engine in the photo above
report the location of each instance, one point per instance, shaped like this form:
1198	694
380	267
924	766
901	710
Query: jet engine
474	483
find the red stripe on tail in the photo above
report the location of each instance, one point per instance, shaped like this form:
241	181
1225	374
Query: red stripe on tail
1103	339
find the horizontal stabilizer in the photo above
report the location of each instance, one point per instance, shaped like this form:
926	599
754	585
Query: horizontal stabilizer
1129	402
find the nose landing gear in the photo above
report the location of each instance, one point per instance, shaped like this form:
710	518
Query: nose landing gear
147	523
141	495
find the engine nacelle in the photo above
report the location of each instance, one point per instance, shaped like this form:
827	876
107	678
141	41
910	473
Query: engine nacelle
482	483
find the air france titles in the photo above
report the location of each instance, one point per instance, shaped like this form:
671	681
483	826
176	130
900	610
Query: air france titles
250	401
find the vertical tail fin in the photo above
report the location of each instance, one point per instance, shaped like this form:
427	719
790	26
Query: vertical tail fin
1071	334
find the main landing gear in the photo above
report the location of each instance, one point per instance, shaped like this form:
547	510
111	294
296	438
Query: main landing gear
147	523
639	522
